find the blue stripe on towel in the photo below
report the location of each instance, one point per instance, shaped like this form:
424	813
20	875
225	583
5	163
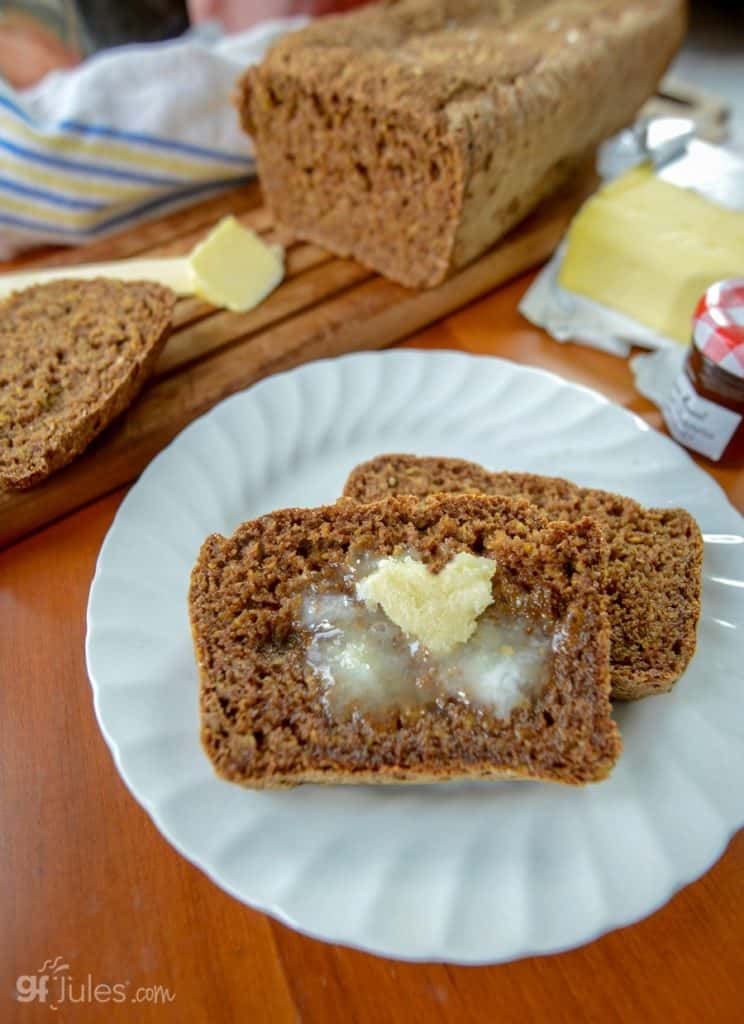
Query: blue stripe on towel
7	102
53	198
92	169
104	131
184	193
134	213
157	141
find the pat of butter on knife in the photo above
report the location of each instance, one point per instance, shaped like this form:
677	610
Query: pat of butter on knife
232	267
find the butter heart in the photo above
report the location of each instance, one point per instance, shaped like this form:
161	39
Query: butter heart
438	610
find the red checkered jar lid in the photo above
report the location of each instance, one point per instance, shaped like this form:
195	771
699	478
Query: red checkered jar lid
718	325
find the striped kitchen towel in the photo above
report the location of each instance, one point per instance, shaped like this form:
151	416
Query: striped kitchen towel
129	134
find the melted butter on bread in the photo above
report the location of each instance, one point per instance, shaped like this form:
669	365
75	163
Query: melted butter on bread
440	611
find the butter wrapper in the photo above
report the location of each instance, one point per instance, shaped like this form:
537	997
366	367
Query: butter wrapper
678	159
570	317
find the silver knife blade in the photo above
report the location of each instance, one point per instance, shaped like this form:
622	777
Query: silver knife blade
678	157
714	172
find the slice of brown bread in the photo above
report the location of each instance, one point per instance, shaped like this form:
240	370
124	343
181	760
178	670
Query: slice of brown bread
265	721
654	570
73	355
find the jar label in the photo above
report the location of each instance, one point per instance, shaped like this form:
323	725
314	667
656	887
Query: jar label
698	423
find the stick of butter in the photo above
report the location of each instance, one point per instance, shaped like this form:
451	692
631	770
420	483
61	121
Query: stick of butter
235	268
650	249
231	267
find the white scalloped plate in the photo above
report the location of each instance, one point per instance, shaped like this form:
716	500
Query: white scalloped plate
477	872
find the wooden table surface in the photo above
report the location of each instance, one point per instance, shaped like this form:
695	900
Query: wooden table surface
87	877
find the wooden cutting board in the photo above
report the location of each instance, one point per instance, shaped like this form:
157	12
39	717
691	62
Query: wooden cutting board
325	306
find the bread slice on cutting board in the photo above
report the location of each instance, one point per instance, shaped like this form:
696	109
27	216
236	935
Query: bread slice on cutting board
73	355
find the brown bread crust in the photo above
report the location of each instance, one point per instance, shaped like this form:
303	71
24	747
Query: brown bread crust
73	355
655	557
413	134
263	720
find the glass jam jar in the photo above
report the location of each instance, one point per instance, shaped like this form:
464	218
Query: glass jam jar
705	411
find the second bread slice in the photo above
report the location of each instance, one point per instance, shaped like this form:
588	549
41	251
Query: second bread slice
266	715
655	556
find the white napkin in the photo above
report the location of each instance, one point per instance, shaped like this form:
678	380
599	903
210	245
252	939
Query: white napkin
129	134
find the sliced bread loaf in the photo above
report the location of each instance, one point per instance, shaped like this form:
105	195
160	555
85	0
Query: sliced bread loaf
655	557
73	355
267	707
413	134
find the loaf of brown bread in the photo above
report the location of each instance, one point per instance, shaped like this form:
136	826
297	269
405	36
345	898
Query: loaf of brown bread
265	719
655	557
413	134
73	355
